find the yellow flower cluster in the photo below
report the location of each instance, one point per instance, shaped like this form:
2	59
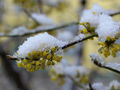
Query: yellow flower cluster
83	79
87	28
115	88
60	78
109	47
37	60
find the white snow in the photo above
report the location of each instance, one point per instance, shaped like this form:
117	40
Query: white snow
38	42
79	37
65	35
99	86
73	70
19	31
97	58
113	65
114	83
42	18
92	15
107	27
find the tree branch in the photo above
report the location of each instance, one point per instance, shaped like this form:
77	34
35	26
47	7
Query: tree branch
30	16
39	29
115	13
90	86
105	66
78	41
64	47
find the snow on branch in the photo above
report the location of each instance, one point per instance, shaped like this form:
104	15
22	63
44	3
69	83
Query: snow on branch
99	61
64	46
78	41
37	30
43	28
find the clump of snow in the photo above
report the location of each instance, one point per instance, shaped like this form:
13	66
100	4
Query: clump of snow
107	27
79	37
97	58
114	84
99	86
65	35
117	41
59	68
113	65
92	15
42	18
19	31
74	70
38	42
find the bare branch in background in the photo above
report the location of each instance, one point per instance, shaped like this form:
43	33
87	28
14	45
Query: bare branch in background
40	3
90	86
83	6
30	16
40	29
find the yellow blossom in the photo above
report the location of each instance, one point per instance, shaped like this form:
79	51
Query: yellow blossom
109	47
37	60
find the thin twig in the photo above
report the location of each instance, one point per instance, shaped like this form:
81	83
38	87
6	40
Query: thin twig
90	87
116	13
30	16
64	47
106	67
78	41
38	30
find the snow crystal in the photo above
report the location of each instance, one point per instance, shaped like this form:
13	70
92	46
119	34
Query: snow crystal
97	58
42	18
92	16
38	42
114	83
107	27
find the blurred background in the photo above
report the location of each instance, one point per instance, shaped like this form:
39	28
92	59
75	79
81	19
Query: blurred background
16	13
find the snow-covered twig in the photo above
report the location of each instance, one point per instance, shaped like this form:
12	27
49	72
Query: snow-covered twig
51	28
30	16
115	13
112	66
39	29
65	46
78	41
